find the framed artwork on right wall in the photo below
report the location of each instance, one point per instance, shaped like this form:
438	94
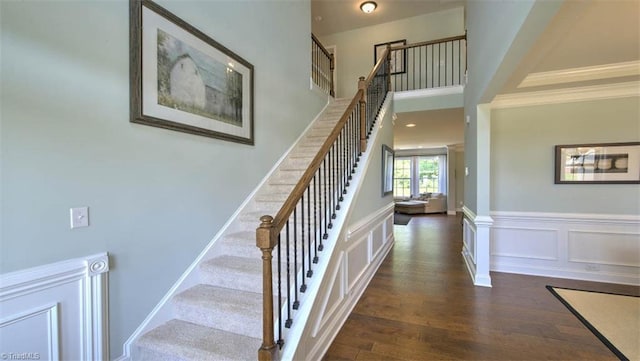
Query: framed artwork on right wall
605	163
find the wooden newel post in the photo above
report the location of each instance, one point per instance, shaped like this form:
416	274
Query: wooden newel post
266	243
363	115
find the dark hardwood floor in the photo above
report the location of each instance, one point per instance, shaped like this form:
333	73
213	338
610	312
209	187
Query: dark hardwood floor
421	305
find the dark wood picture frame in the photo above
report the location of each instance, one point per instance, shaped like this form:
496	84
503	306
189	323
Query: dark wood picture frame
183	80
598	163
388	157
401	63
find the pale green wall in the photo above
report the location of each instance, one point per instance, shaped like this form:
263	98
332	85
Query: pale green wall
355	47
522	156
369	198
499	34
156	197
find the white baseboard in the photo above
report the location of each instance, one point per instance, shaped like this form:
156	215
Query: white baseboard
57	311
593	247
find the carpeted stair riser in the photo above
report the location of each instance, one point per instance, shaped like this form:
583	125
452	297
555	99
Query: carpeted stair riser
254	222
286	177
239	273
221	308
180	340
282	196
244	243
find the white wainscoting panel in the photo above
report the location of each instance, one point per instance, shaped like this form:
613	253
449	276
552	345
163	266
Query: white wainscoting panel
365	245
358	258
602	248
378	239
533	243
333	296
56	312
43	340
469	240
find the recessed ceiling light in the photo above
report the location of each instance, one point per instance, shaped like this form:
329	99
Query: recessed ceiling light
368	6
410	125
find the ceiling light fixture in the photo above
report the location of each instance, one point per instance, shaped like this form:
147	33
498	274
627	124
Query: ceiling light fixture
410	125
368	7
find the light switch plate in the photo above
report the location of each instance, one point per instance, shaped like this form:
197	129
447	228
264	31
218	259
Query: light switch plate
79	217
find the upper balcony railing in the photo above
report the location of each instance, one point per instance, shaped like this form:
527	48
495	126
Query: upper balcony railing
322	65
429	64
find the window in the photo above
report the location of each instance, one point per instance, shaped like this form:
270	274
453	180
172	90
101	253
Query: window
419	174
402	177
428	174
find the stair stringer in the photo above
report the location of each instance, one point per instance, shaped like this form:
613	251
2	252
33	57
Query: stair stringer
163	312
304	321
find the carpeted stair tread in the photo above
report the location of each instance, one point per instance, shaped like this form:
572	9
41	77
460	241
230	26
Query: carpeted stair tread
240	273
286	176
241	243
254	216
221	308
180	340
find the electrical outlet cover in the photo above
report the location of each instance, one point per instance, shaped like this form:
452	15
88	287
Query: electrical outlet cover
79	217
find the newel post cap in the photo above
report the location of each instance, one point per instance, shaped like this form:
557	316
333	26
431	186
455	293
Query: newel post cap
266	221
264	239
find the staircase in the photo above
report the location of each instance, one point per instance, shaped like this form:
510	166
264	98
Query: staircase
220	318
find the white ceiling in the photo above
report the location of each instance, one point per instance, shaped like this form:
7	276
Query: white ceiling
583	34
334	16
434	129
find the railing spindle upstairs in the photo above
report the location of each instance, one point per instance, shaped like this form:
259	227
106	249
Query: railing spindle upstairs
322	66
436	69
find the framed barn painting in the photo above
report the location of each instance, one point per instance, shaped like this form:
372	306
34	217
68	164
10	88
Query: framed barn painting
183	80
598	163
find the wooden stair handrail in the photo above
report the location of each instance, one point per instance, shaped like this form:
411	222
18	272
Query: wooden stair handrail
430	42
324	50
377	66
270	227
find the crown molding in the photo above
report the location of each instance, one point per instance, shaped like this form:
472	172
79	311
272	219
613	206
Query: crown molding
568	95
606	71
